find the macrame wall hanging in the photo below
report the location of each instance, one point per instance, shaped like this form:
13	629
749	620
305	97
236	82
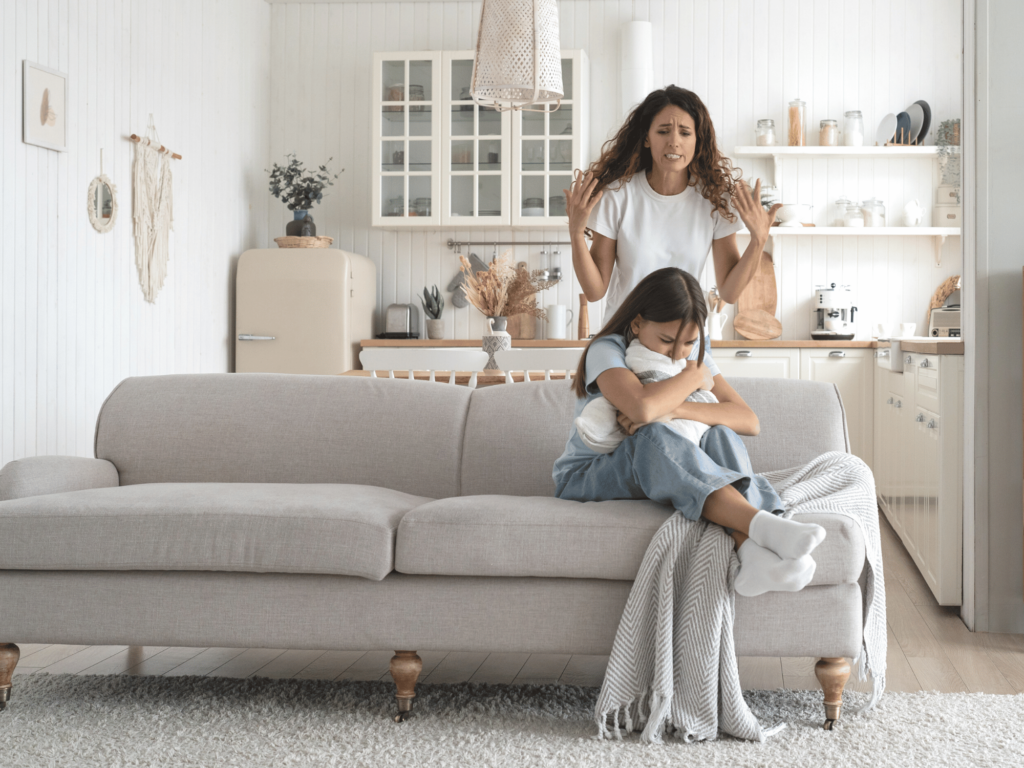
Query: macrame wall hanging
154	211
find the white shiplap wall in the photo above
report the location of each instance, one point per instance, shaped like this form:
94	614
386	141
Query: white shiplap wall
73	322
745	58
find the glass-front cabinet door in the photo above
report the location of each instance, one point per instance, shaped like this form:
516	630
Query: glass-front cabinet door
406	139
548	146
477	152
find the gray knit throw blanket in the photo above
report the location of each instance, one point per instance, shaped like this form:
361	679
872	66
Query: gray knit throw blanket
673	663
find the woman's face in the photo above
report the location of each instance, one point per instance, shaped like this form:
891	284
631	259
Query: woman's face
672	138
665	338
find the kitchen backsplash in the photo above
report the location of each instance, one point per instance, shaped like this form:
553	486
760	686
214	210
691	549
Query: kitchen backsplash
745	58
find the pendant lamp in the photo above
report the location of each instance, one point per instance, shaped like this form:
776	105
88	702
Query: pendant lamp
518	59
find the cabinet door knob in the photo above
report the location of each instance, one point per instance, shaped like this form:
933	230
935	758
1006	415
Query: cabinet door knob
899	403
909	360
889	401
837	353
932	424
743	353
920	417
925	363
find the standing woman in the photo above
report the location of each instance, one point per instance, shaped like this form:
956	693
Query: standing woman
663	195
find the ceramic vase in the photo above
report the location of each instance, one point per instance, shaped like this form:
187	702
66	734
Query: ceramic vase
301	226
494	339
435	328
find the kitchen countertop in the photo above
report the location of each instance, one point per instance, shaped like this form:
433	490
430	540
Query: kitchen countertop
927	346
573	343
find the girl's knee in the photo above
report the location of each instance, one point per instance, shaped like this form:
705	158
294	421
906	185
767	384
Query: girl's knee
722	434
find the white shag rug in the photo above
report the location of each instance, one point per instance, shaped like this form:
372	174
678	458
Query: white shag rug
108	721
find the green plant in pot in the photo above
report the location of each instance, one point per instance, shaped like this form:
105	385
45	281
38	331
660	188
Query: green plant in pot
300	190
433	306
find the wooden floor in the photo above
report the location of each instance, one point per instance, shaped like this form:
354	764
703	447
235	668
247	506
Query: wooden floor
929	649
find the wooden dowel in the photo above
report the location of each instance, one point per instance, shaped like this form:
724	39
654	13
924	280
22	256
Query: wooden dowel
137	139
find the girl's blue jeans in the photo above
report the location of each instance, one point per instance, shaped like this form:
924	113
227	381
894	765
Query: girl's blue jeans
658	463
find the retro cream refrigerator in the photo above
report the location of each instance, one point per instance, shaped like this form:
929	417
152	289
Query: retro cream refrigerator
302	310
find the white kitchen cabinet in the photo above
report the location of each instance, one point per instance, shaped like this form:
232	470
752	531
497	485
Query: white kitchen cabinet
852	371
758	361
445	160
918	469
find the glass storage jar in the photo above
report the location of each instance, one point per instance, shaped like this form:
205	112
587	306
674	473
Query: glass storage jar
874	213
853	129
854	216
769	196
765	133
841	205
797	123
828	136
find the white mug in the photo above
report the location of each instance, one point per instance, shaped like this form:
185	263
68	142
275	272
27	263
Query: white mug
907	329
716	321
559	317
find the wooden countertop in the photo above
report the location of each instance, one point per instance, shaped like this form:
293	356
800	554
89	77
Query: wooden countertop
574	343
926	346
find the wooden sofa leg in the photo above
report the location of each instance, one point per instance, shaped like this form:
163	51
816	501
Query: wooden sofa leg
832	674
9	655
405	670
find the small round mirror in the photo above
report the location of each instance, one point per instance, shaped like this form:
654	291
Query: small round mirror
102	204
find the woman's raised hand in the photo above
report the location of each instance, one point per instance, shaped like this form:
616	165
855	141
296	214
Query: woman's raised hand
580	200
753	214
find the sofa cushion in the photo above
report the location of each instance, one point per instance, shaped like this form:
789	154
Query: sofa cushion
257	527
550	537
284	428
515	433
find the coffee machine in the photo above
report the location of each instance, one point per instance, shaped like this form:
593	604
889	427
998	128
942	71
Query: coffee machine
833	306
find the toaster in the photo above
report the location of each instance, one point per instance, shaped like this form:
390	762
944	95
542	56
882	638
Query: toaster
402	321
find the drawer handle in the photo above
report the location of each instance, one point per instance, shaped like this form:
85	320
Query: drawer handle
837	353
743	353
251	337
889	401
925	363
881	353
932	424
920	417
909	360
899	403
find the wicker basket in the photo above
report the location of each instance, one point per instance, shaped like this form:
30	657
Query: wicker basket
304	242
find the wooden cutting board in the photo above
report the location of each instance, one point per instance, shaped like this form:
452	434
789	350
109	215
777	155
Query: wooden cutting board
755	309
757	324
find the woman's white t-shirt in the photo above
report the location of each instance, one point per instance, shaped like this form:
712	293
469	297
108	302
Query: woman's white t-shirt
652	231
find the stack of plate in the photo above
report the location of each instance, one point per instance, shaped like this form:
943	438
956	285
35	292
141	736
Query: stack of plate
906	128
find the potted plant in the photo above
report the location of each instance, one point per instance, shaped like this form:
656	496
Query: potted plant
433	306
300	190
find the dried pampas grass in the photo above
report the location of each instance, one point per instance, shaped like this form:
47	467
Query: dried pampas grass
504	290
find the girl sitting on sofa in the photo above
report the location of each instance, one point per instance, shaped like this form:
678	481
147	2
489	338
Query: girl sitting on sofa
712	479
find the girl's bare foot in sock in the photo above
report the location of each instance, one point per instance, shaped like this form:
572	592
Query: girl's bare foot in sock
786	538
761	570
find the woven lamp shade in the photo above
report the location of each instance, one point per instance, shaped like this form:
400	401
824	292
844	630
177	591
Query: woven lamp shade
518	55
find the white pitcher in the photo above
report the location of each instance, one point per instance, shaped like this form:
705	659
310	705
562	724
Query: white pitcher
716	322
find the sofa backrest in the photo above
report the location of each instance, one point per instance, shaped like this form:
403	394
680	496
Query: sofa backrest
280	428
514	433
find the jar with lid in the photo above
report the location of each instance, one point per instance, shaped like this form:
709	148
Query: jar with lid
769	196
828	136
853	128
765	133
874	213
841	205
797	123
854	216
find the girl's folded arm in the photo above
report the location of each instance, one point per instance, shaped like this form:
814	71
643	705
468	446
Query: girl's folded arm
730	410
644	404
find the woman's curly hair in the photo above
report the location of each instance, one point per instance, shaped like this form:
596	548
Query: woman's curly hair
625	154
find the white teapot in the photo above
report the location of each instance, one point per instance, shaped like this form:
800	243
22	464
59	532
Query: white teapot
913	214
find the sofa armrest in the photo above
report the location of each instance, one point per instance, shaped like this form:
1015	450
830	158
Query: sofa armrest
40	475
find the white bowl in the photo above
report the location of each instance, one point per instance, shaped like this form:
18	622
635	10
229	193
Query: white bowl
533	211
790	214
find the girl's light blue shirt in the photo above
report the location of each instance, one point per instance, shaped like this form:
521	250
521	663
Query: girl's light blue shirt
603	354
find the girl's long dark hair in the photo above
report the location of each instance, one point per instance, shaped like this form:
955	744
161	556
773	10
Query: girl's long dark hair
665	295
624	155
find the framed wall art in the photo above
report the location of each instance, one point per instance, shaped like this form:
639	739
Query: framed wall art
44	107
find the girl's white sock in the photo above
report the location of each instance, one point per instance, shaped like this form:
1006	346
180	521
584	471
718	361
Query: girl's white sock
786	538
761	570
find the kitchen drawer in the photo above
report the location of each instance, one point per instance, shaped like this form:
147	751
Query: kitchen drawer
760	362
926	392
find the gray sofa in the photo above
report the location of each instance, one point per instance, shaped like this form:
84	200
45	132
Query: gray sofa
318	512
